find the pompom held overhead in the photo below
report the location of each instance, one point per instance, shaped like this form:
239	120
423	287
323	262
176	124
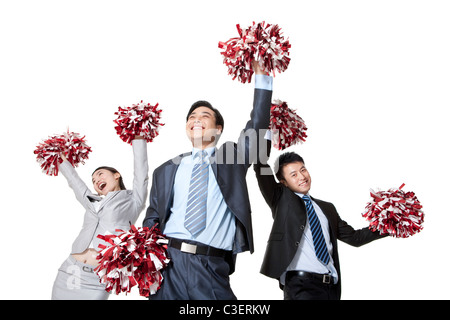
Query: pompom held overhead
394	212
141	119
261	42
286	126
48	152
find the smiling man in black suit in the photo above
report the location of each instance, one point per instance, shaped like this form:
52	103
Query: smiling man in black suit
302	251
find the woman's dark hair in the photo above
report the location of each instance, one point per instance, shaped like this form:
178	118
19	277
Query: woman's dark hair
285	159
203	103
112	170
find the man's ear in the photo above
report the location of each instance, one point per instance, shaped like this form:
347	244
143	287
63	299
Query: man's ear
219	129
284	182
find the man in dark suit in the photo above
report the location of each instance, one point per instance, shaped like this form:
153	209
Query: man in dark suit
209	226
302	251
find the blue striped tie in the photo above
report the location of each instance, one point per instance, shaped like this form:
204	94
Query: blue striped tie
195	218
316	229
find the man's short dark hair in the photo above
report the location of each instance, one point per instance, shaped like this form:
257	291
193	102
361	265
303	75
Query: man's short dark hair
285	159
203	103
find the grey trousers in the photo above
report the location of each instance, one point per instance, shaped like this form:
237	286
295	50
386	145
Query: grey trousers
77	281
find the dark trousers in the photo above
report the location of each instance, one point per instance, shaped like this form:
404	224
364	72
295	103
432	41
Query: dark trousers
308	288
195	277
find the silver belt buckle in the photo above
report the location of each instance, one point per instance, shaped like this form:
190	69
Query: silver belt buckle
326	279
188	248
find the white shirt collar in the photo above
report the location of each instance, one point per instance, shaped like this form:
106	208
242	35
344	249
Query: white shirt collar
210	151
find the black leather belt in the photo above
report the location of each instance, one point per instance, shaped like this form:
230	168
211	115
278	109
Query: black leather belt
324	278
197	248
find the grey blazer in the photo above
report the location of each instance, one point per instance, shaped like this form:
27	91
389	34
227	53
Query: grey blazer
118	210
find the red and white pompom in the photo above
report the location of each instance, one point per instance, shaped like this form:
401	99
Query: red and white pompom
394	212
286	126
135	257
141	119
261	42
74	147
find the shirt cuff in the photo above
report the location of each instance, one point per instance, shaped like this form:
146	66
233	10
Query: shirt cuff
263	82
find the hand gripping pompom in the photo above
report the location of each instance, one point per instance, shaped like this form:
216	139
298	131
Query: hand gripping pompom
141	119
261	42
48	152
394	212
135	257
286	126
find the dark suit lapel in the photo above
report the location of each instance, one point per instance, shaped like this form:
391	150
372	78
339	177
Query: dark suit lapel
215	169
168	179
329	218
324	209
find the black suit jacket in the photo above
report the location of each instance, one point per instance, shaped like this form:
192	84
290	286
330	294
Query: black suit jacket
230	165
289	214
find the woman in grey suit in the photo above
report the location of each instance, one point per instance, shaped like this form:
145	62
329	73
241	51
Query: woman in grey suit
113	207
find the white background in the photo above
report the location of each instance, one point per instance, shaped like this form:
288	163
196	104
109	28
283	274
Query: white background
370	78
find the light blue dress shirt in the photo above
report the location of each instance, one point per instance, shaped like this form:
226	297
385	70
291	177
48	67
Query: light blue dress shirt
220	221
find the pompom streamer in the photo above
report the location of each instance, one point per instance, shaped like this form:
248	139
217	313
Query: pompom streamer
48	152
141	119
286	126
261	42
134	257
394	212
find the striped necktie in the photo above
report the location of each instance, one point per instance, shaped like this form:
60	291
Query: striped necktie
316	229
195	218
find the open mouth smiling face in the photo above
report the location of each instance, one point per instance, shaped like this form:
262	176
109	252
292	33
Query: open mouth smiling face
201	126
197	126
105	181
101	185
